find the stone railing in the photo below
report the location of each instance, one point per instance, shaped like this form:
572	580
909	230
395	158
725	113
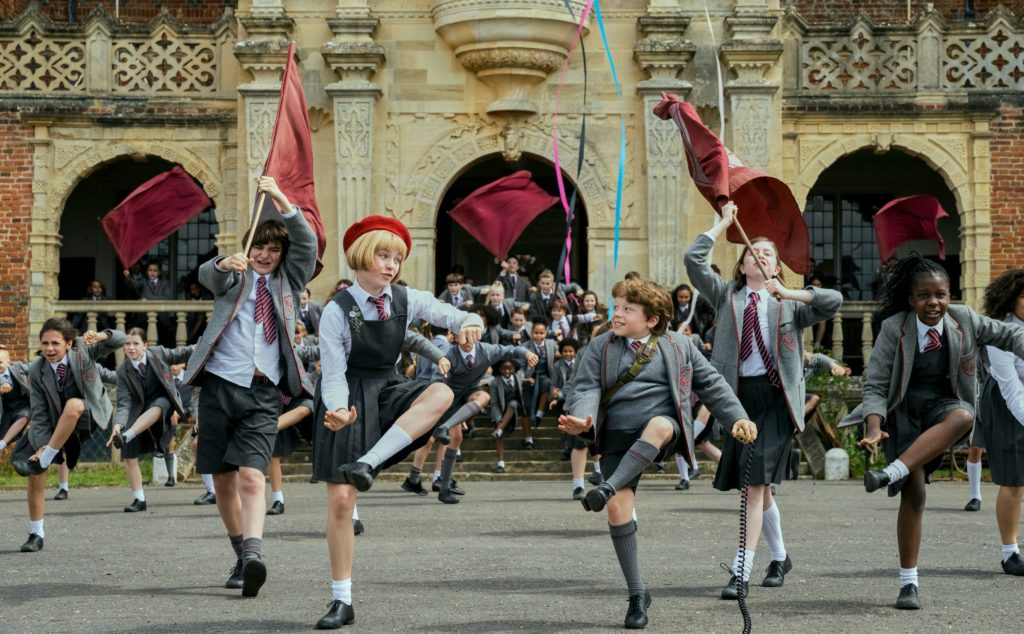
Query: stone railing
926	55
121	309
104	55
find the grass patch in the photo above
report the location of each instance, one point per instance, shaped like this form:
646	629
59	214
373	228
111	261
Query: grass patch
86	474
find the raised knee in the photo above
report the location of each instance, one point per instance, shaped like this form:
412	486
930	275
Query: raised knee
75	407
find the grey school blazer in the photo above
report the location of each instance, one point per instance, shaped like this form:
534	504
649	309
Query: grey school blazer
231	288
130	391
687	369
786	322
888	375
43	395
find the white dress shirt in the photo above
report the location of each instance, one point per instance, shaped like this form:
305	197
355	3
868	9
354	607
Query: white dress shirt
1008	371
922	332
243	348
336	337
754	364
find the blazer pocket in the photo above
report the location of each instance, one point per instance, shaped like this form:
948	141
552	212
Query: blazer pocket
968	364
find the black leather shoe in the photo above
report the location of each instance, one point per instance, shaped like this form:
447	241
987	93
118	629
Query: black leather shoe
577	493
136	506
596	498
118	439
27	467
358	474
277	508
234	581
527	444
730	592
453	486
595	478
875	480
636	616
442	435
777	571
908	598
338	614
1014	565
35	544
973	505
684	485
170	481
565	457
357	527
62	494
499	469
254	574
412	487
206	498
447	496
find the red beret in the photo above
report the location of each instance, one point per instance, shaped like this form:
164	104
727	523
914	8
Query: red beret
373	223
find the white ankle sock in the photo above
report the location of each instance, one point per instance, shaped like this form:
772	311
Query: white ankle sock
394	440
437	474
63	486
37	528
748	564
529	439
208	481
279	496
127	435
684	469
908	575
771	530
49	453
974	479
342	590
597	467
3	444
577	483
139	495
1009	550
498	432
355	512
896	471
501	463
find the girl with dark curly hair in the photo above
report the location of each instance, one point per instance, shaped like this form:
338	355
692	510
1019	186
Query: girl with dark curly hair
1001	416
919	391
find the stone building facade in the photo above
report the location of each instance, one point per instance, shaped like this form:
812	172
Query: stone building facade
412	101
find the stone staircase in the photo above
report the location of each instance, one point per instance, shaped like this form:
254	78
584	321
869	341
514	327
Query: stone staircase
478	459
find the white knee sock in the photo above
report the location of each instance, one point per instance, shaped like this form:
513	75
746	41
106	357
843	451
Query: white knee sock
208	481
577	483
37	528
896	470
908	575
684	469
597	466
771	530
1009	550
342	590
127	435
974	479
394	440
698	427
748	564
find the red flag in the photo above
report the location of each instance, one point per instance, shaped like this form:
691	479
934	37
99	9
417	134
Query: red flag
155	210
766	206
909	218
497	213
290	160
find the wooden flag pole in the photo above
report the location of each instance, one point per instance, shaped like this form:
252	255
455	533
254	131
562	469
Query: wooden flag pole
252	222
746	241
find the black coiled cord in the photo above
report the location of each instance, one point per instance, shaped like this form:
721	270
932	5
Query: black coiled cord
741	593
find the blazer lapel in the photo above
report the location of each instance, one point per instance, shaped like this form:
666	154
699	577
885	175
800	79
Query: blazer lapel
738	302
774	308
50	385
611	365
954	339
908	344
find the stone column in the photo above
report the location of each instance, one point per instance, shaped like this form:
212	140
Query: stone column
263	55
664	54
354	57
752	54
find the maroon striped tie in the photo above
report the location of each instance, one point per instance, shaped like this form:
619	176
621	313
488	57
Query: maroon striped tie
142	370
934	343
61	374
469	361
382	314
265	310
752	334
634	349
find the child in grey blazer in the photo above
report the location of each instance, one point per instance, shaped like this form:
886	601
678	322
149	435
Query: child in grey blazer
758	348
67	395
636	422
920	391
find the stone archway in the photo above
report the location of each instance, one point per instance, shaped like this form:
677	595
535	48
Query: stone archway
461	147
955	148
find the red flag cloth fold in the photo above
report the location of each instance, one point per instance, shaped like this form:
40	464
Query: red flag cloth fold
498	213
909	218
290	159
155	210
766	206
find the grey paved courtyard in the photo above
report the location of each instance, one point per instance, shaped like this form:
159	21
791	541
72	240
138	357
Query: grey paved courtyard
514	556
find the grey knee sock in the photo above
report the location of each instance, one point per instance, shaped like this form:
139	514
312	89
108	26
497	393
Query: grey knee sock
236	544
447	466
624	541
461	415
639	457
414	474
253	545
169	464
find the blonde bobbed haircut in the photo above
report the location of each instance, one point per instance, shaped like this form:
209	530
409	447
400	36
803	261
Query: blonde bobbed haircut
361	252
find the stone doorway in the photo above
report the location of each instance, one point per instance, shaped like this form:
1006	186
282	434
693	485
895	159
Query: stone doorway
542	240
86	252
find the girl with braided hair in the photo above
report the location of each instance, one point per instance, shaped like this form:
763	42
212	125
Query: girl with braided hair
919	392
